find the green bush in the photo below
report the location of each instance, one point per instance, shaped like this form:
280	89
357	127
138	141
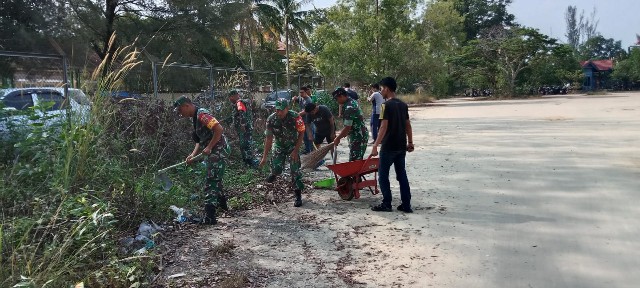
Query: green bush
70	192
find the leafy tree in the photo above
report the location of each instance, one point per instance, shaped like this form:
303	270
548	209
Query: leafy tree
627	71
358	46
254	22
303	63
291	22
99	19
573	27
25	26
483	14
559	66
602	48
442	29
512	50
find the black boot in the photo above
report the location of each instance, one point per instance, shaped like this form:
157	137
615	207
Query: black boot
222	202
210	214
298	201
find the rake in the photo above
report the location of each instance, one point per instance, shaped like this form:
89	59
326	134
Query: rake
163	179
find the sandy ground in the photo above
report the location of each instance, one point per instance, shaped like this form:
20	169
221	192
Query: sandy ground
523	193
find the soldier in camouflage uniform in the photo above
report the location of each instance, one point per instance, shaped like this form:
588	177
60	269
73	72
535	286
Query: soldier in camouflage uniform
243	122
288	130
354	126
207	133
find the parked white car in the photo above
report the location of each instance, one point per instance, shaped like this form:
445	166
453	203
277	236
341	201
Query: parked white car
17	101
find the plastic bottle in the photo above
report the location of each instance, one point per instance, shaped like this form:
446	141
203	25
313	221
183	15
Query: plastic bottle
181	213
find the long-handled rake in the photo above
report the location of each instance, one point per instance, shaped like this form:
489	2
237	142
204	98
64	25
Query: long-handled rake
163	179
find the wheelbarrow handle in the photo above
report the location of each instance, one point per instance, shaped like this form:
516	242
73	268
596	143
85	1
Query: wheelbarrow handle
365	164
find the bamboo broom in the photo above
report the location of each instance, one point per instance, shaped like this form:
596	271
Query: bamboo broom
311	160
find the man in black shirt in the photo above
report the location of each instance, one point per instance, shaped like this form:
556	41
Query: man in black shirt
351	93
395	129
322	118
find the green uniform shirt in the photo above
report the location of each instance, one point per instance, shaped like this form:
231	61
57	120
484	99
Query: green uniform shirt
242	116
352	116
203	123
285	131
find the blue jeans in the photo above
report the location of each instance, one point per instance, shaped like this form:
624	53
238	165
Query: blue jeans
308	143
387	158
375	125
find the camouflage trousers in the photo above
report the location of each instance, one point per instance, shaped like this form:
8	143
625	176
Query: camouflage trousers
246	148
216	164
357	146
280	155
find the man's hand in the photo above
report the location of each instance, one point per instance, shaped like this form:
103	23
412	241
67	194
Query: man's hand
295	156
206	151
190	159
410	147
374	151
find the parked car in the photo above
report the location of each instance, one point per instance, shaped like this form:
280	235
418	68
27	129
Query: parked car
121	95
270	101
16	103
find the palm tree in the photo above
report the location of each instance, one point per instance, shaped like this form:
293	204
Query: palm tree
292	24
252	21
270	18
259	21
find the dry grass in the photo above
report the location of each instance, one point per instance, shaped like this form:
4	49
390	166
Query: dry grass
236	280
226	247
416	98
597	92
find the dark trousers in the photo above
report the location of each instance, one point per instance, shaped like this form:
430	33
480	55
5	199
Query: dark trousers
308	143
395	158
375	125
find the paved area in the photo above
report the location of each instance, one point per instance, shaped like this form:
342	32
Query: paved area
538	193
526	193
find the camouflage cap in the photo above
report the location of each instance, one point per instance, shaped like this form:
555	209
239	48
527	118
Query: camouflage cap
182	100
339	91
282	104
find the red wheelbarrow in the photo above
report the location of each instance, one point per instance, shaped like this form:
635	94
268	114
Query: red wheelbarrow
350	177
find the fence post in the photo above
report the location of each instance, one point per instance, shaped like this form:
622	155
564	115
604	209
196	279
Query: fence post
65	77
211	82
154	73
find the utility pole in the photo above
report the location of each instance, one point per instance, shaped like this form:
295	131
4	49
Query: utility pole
377	32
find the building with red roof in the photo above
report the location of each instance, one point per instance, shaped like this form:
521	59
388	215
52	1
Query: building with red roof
596	73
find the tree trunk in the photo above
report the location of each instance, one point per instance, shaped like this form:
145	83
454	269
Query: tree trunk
108	50
286	33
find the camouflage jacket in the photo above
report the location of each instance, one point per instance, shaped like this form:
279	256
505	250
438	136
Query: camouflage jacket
285	131
352	116
242	116
203	123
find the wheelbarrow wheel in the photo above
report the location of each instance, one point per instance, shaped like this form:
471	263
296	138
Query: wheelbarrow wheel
345	188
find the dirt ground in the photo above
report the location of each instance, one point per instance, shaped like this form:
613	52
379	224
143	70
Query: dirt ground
522	193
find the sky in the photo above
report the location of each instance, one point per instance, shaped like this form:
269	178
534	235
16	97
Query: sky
619	19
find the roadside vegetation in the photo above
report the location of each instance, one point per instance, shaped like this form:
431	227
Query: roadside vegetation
70	193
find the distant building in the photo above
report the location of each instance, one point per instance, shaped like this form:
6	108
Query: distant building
596	73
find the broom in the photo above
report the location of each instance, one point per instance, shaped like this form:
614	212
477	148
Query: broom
310	161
